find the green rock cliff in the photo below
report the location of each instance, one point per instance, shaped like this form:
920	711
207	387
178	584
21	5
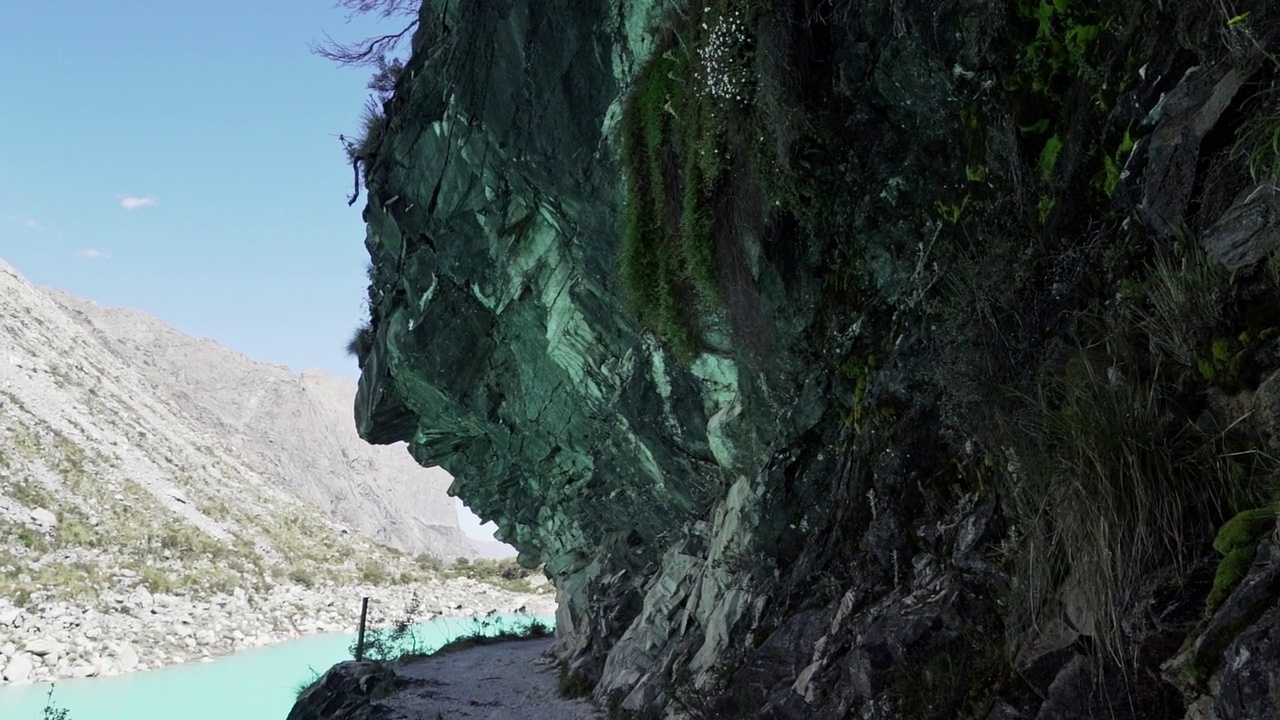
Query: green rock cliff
876	359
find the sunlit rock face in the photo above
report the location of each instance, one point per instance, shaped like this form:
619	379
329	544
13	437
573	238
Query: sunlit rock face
505	351
810	515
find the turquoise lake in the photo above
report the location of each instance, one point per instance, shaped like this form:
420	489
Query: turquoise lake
258	684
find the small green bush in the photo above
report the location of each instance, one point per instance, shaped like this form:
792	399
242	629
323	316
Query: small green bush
74	532
485	634
374	574
394	642
572	685
188	541
157	581
506	574
31	539
303	576
52	711
361	341
429	563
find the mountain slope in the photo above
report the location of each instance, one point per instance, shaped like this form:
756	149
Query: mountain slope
296	429
109	479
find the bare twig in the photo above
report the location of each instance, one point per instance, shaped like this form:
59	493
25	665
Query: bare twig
355	181
384	8
365	52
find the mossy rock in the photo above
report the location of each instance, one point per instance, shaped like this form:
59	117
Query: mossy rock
1245	529
1237	540
1231	570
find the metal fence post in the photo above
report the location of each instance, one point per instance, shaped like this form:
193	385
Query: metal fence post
364	613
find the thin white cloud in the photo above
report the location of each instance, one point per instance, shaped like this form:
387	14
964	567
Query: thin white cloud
26	222
92	254
130	202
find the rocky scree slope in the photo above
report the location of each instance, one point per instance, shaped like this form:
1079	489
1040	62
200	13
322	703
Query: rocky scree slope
293	429
848	359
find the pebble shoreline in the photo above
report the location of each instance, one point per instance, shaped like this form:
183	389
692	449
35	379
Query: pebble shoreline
137	631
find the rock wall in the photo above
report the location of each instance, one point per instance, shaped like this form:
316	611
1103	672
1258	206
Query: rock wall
956	229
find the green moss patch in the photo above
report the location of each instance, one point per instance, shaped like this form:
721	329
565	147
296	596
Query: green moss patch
683	152
1237	541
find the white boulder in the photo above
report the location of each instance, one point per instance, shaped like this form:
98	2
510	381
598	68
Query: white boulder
45	519
43	647
126	657
142	598
18	668
9	616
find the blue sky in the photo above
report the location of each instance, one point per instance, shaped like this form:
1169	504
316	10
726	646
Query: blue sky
182	158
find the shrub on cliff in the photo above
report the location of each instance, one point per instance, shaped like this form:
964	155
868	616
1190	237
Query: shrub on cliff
371	51
377	52
361	342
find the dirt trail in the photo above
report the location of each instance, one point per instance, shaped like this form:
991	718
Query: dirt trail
503	681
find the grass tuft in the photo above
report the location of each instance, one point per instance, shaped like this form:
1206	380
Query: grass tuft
373	128
305	685
361	342
1114	467
1258	139
1184	293
572	685
486	633
1112	491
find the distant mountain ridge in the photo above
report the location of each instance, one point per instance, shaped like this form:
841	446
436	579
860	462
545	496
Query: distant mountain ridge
294	431
492	549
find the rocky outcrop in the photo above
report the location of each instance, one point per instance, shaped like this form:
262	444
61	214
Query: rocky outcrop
940	445
349	690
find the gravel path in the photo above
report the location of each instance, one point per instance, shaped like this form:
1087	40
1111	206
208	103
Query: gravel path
503	681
